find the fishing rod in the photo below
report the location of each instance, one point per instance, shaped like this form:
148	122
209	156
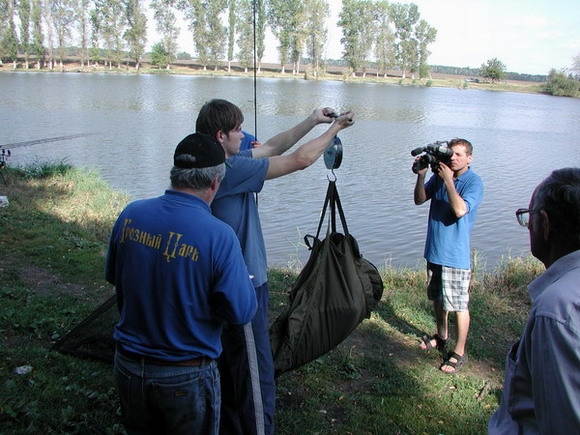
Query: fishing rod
255	72
255	13
39	141
6	149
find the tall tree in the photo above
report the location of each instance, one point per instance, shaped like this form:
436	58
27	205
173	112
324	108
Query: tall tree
8	37
216	30
4	5
209	34
405	18
82	14
194	11
165	19
245	31
385	40
425	35
298	34
358	20
110	19
96	34
286	19
24	10
49	32
62	13
232	21
260	18
136	33
37	49
317	11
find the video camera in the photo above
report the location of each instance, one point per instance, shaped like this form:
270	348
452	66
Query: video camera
434	153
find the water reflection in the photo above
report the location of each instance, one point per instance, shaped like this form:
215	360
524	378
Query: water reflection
518	140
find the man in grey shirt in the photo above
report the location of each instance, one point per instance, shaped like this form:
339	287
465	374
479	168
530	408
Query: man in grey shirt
542	374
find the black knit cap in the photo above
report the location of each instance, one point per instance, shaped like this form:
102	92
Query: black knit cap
203	151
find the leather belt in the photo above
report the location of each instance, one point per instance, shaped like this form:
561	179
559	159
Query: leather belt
195	362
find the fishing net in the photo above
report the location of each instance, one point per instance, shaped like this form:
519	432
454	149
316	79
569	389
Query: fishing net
93	337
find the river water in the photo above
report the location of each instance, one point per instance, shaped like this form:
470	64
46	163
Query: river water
137	121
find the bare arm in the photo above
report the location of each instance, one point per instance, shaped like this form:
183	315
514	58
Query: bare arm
306	154
456	202
282	142
419	194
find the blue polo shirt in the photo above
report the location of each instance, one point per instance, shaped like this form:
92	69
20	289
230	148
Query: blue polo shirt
235	204
179	276
448	237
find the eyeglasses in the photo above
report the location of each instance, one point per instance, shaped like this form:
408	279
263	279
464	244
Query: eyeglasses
523	216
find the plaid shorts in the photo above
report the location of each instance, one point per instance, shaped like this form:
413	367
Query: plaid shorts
449	285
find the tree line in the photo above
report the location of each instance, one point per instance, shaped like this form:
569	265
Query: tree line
375	34
386	35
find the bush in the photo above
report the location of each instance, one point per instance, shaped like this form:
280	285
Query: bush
561	85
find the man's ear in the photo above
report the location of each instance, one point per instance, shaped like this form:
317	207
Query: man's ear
220	136
212	191
215	184
545	224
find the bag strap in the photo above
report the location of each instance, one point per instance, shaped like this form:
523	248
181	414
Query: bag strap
332	202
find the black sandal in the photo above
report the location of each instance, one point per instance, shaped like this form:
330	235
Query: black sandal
440	342
460	361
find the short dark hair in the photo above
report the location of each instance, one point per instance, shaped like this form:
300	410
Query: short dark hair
464	142
559	196
216	115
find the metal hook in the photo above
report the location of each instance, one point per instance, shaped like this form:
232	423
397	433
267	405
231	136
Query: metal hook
333	175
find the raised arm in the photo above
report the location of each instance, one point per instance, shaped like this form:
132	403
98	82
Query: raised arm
419	194
282	142
457	203
306	154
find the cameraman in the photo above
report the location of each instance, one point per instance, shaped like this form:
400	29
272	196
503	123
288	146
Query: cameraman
455	192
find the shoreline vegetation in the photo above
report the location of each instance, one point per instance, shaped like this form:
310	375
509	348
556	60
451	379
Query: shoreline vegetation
271	70
55	229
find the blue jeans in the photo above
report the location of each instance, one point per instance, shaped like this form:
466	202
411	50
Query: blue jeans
162	399
247	374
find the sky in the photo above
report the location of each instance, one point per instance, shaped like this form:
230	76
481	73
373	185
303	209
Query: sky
527	36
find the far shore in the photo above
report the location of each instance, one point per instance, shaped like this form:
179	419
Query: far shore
270	70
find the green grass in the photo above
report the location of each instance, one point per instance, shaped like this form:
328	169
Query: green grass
53	237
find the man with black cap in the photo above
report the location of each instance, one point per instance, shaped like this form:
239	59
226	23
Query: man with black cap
180	276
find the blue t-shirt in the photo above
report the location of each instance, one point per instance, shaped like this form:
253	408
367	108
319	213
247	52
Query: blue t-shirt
448	237
179	275
247	141
235	204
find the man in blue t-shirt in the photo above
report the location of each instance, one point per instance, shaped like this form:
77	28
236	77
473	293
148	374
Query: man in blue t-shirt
177	284
455	192
246	365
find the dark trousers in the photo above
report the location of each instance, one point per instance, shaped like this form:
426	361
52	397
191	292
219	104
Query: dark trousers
247	375
157	399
